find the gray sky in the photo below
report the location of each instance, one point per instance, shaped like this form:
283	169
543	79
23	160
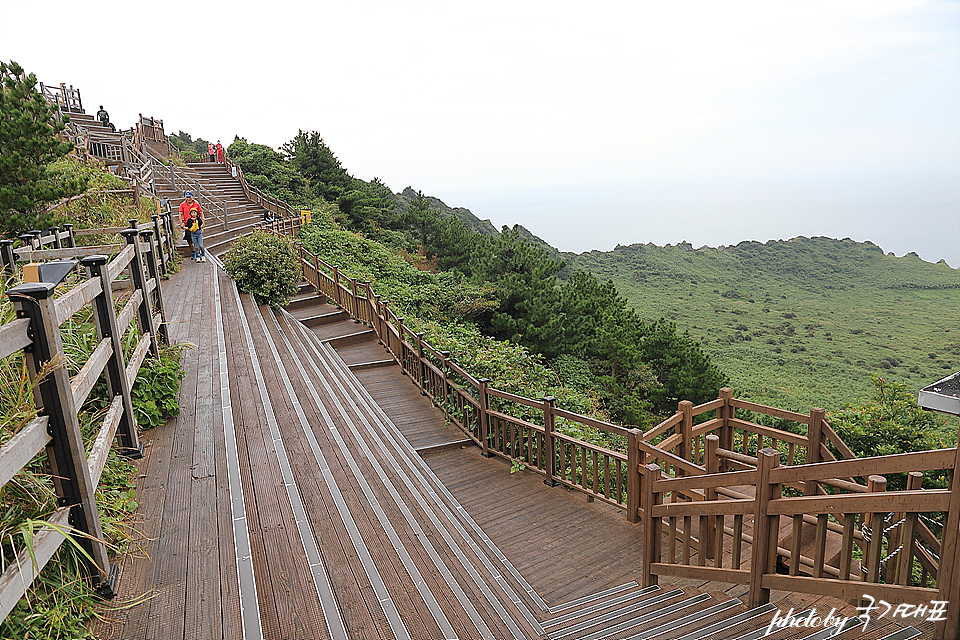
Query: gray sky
592	124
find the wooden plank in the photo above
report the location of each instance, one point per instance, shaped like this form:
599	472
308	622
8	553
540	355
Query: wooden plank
731	478
899	463
705	508
72	301
119	263
658	454
592	422
712	405
83	382
22	447
129	310
663	427
14	335
769	432
770	411
133	367
907	501
25	253
21	573
101	445
734	576
849	589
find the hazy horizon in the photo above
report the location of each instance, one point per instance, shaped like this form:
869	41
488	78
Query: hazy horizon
594	126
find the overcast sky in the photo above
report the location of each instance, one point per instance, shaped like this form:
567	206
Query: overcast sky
592	124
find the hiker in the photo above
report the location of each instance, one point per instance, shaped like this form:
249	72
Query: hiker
212	152
104	119
185	206
219	152
195	227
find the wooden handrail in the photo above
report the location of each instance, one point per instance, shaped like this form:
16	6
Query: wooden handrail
75	474
564	460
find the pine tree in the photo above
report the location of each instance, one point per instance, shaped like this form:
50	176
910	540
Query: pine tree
29	143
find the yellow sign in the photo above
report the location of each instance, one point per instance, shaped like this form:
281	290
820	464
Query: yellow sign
306	216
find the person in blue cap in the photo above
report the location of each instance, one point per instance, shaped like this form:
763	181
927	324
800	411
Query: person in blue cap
185	207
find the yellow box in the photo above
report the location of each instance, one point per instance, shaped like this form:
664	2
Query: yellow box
31	272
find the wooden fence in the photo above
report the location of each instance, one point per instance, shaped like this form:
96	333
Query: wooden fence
709	475
707	538
36	332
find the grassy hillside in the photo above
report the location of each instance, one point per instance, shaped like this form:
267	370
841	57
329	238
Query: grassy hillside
798	323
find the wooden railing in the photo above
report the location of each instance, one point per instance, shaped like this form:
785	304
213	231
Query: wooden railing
710	475
713	539
36	332
483	413
66	99
55	244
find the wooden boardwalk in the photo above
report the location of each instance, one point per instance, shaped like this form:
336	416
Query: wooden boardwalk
308	490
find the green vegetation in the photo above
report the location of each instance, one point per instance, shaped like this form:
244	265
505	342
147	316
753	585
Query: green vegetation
502	283
798	323
29	144
265	265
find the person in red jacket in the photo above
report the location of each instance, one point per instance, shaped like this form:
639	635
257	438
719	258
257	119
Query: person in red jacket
212	151
219	152
185	207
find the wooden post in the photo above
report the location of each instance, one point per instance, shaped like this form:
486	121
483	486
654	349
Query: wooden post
336	286
55	232
764	559
144	310
444	355
651	526
154	272
401	356
948	576
712	464
65	451
814	440
355	306
633	475
686	428
484	417
421	366
71	239
161	259
725	414
549	426
874	522
9	257
105	318
905	537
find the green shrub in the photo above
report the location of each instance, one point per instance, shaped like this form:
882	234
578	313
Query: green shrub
155	391
266	266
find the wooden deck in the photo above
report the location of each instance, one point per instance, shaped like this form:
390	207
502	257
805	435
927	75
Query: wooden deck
308	490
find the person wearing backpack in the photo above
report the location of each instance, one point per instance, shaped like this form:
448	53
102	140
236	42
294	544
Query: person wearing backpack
195	227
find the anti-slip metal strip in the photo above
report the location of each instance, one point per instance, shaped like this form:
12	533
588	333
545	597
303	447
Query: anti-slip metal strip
707	632
762	632
653	615
598	595
606	604
300	332
328	601
404	555
247	583
420	468
334	372
833	632
685	620
619	613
